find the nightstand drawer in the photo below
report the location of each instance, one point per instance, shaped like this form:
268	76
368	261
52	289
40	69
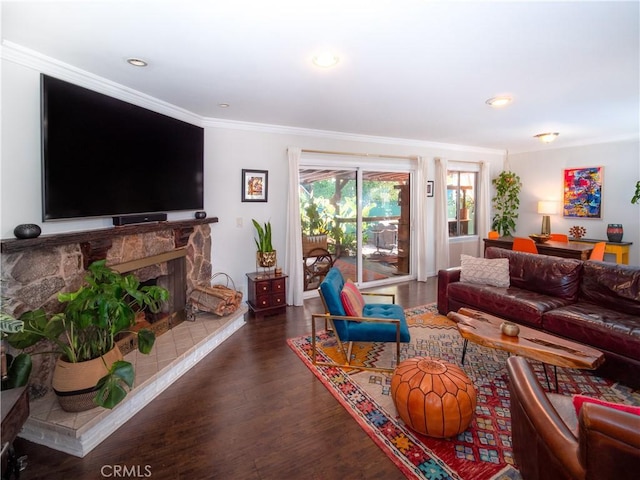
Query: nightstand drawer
266	293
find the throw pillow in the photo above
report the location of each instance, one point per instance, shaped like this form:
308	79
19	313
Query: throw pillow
352	300
579	400
485	271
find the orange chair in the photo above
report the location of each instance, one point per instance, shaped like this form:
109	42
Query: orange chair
522	244
559	237
598	252
494	234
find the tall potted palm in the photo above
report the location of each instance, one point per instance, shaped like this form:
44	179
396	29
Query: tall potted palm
90	369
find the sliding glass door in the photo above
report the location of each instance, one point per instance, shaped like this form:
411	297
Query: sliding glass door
357	221
386	213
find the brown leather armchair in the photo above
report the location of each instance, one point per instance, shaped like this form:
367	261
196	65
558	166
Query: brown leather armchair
551	442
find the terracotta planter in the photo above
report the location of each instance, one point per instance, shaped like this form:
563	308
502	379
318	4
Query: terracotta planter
75	383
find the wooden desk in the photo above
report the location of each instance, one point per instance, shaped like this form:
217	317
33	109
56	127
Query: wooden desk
619	249
581	251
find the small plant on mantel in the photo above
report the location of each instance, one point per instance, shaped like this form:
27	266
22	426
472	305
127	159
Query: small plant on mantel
506	202
85	332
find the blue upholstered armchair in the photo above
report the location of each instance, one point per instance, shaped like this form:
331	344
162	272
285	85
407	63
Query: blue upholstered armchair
352	320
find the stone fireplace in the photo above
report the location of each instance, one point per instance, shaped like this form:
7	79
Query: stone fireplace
174	255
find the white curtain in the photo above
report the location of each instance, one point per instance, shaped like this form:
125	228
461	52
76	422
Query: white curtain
293	243
441	224
421	220
483	213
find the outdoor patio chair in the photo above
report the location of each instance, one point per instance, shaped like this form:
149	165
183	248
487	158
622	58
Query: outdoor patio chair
352	320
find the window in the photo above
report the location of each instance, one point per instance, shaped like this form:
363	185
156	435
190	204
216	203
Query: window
363	217
461	196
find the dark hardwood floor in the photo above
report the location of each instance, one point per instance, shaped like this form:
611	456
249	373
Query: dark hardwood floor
250	410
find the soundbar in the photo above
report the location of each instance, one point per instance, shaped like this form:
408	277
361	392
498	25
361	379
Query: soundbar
143	218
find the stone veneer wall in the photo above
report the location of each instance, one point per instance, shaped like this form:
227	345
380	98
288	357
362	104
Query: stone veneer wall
32	277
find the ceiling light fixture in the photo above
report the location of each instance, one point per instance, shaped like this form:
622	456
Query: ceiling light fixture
499	101
136	62
546	137
223	105
325	60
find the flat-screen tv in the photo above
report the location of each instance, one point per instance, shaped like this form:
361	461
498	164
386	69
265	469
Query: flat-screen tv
105	157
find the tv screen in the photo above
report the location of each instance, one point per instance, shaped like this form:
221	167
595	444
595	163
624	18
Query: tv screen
106	157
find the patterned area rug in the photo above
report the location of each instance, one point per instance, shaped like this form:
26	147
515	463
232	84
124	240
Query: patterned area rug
484	450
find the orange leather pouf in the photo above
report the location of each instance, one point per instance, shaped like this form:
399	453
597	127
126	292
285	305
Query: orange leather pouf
433	397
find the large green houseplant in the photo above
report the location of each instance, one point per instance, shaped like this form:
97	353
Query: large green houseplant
636	195
87	327
506	202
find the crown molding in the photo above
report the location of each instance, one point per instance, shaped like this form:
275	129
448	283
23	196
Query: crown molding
42	63
37	61
594	141
352	137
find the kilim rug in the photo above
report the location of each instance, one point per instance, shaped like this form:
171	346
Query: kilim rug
484	450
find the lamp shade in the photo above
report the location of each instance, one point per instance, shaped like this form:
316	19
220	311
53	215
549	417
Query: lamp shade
547	208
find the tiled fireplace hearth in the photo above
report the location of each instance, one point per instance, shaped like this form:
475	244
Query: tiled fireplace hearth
175	255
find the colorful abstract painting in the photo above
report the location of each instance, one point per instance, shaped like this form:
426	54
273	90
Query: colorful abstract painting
583	192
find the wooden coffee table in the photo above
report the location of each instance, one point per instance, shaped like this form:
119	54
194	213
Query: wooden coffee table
484	329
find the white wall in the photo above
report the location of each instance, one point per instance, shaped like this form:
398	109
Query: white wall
541	173
229	147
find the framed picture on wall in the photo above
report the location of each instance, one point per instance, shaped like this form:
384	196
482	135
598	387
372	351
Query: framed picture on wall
255	185
582	192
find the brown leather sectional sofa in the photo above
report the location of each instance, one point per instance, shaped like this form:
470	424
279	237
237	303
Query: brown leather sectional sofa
595	303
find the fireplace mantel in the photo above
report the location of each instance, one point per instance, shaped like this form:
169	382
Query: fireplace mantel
96	241
176	254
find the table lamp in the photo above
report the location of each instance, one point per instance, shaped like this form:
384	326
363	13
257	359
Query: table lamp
546	208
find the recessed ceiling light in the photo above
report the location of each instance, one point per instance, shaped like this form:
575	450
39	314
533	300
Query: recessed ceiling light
223	105
136	62
499	101
325	60
546	137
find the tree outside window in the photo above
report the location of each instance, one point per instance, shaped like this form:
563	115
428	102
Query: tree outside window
461	200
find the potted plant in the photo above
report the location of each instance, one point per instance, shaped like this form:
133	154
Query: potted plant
316	222
90	370
266	255
15	370
506	202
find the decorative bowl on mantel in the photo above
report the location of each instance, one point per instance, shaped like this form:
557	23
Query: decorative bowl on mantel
538	238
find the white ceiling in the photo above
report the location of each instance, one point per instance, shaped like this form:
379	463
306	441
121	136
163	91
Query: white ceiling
418	70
